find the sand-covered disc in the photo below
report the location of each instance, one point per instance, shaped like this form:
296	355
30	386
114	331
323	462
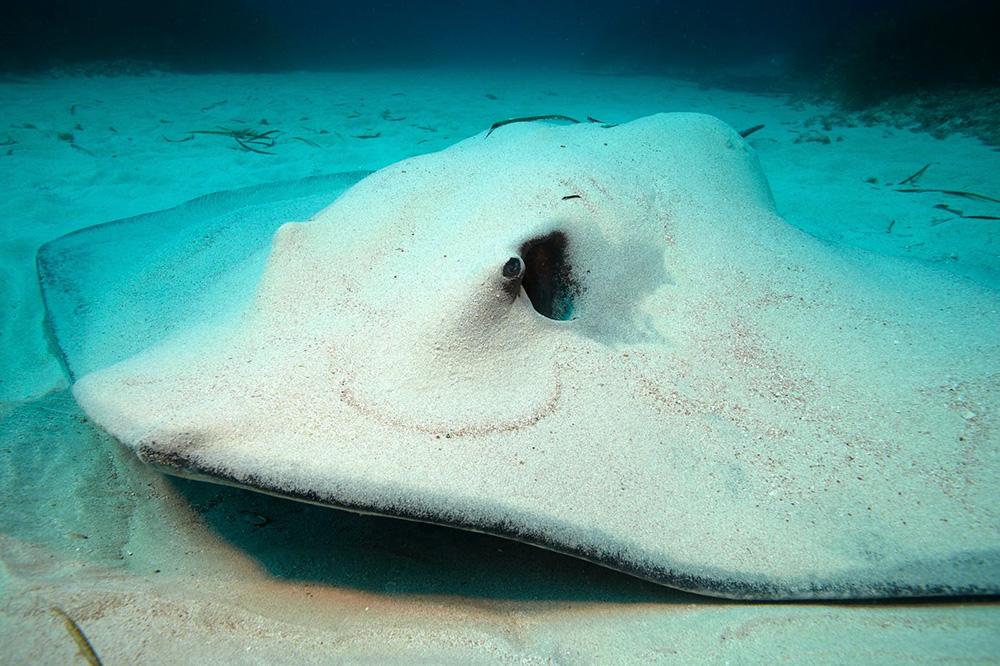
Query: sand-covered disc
600	340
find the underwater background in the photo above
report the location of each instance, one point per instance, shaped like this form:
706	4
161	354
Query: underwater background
114	109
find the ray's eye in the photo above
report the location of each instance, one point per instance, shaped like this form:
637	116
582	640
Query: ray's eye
512	268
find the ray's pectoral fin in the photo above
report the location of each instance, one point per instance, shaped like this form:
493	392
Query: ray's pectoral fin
114	289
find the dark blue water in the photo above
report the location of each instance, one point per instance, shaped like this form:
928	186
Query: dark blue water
899	45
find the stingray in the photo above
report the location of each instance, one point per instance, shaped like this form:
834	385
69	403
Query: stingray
600	340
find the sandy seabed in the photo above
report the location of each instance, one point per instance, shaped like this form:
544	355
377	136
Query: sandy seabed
158	570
